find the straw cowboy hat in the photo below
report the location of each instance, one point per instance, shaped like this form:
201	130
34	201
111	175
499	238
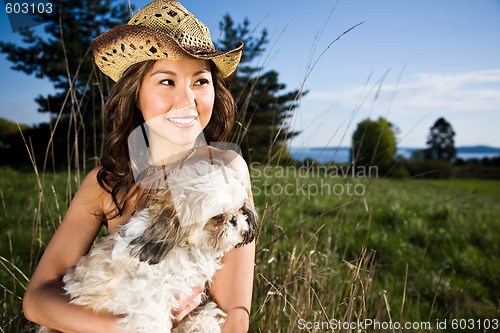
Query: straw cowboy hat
163	29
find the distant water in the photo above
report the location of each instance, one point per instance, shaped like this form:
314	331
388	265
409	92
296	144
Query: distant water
342	154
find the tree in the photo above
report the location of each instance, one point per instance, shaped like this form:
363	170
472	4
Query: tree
262	127
63	54
441	141
374	144
7	130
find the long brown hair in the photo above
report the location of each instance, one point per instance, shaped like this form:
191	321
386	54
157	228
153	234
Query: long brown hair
122	117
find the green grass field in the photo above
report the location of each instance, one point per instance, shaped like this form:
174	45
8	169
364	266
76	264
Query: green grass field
330	248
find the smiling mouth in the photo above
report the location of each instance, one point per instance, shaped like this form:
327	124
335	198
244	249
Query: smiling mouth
183	121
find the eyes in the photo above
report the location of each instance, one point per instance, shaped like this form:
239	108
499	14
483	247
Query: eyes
219	218
167	82
200	82
233	218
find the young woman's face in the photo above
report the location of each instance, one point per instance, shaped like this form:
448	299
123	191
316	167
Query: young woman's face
176	99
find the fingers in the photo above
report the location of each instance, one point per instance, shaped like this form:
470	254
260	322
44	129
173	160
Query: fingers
188	303
199	289
187	309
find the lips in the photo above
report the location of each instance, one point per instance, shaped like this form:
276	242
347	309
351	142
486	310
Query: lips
183	121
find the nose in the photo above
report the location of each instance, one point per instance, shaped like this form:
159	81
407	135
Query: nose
184	97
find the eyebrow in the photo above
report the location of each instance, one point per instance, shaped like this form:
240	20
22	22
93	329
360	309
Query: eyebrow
172	73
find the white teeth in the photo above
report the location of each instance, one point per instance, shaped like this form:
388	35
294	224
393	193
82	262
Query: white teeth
182	120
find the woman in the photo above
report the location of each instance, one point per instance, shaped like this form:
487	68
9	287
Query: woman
166	68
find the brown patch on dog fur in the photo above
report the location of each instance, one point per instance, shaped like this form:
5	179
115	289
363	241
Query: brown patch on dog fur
252	219
164	233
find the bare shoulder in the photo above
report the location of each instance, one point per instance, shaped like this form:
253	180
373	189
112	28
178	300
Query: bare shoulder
236	162
229	157
100	200
233	160
90	195
91	177
91	198
90	187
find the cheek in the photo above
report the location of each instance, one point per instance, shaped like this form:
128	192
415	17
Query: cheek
151	105
205	105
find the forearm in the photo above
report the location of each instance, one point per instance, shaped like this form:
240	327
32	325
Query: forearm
47	305
232	287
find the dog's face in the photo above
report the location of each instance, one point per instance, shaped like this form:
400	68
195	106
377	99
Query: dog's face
200	209
234	227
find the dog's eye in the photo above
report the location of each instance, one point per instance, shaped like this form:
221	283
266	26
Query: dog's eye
233	220
219	218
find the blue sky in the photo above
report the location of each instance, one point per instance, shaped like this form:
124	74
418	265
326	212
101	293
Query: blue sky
409	61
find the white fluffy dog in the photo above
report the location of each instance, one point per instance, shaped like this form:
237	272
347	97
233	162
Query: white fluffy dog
166	250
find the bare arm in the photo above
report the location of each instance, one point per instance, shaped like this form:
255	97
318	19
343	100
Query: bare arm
232	286
44	301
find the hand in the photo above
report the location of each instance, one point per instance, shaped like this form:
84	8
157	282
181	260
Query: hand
188	303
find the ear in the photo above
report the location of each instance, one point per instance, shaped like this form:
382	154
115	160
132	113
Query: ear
252	219
160	237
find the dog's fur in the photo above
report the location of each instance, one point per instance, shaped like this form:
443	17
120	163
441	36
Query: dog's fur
139	270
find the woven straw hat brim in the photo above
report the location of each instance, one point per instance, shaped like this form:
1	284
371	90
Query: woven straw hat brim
120	47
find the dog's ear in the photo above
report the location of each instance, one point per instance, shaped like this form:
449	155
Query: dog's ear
252	219
164	233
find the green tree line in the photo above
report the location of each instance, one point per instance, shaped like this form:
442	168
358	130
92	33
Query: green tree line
374	144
